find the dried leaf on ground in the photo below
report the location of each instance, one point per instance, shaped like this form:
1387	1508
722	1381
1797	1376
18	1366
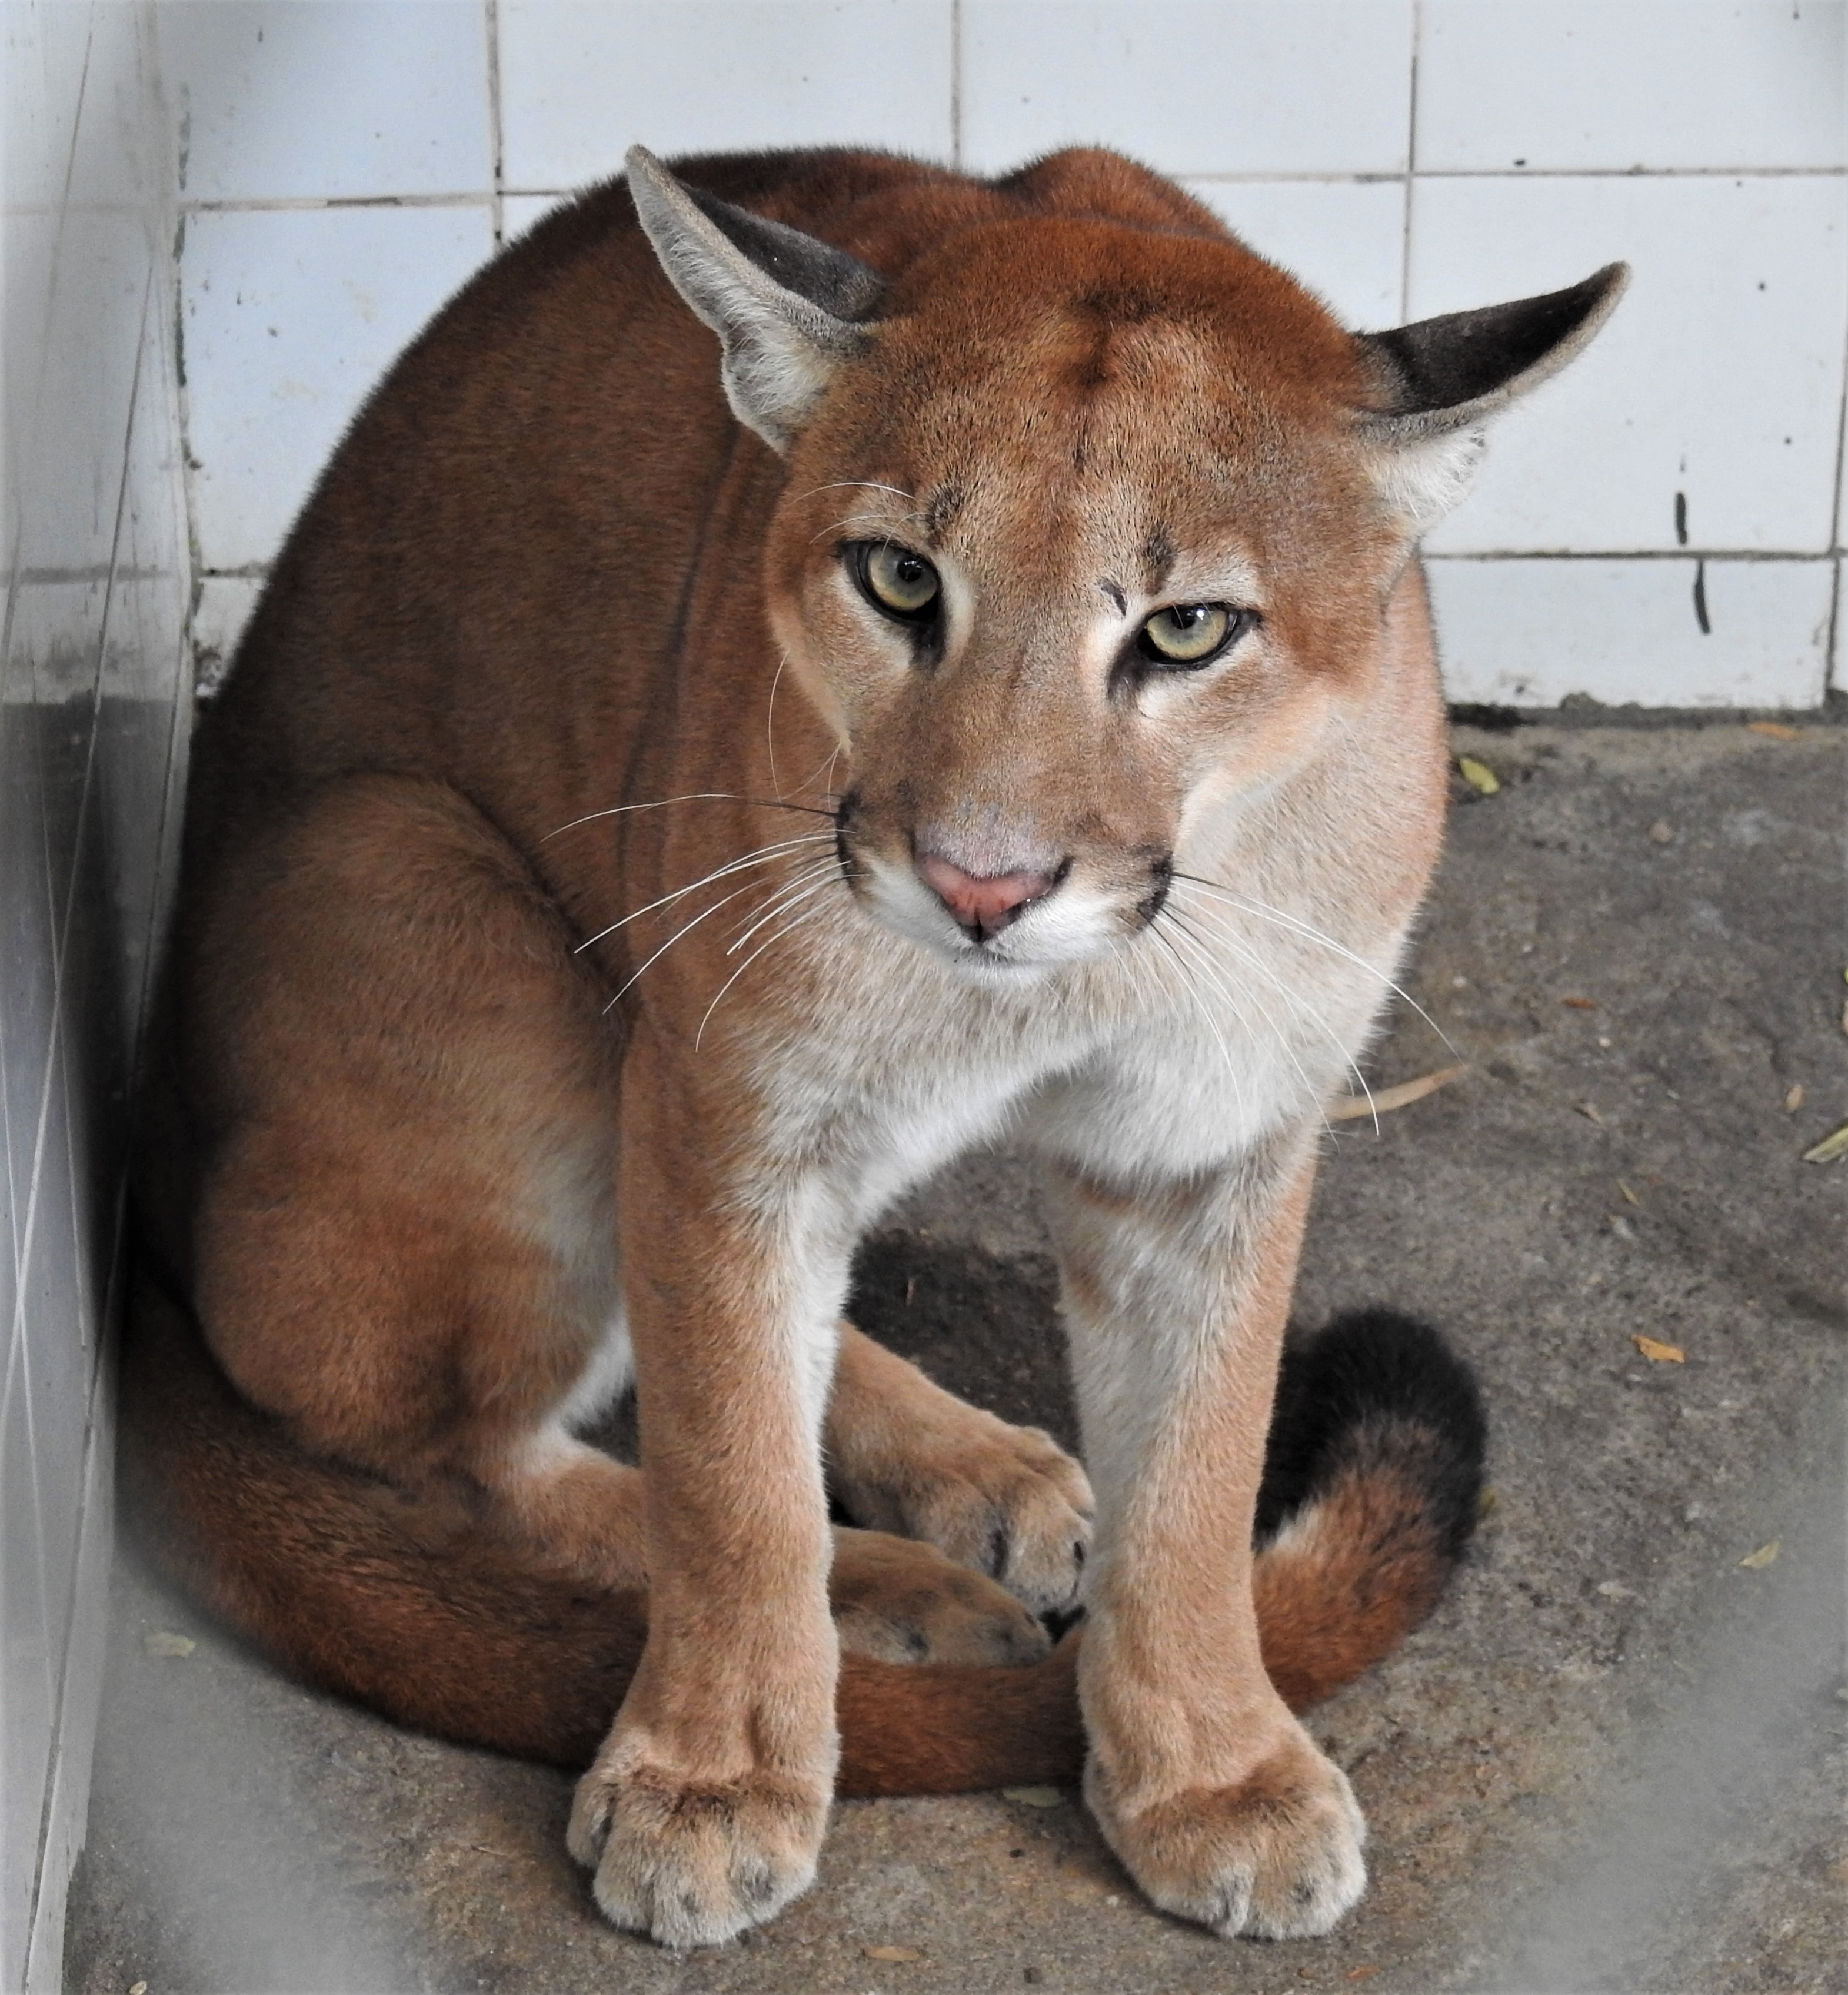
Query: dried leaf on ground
1589	1110
892	1953
1794	1100
1581	1004
1765	1555
1034	1797
1657	1353
161	1643
1349	1107
1773	730
1832	1146
1629	1197
1478	775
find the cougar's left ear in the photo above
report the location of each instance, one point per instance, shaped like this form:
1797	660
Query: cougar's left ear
787	308
1441	379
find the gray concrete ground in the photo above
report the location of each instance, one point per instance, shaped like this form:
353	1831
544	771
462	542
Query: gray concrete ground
1615	1759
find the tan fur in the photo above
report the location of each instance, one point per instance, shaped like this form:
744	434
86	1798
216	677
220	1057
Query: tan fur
457	1086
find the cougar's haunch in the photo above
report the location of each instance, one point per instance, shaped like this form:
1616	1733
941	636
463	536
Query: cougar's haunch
812	661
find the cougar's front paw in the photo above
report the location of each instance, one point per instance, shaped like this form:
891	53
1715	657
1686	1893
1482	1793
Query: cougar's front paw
688	1864
1006	1501
903	1602
1278	1856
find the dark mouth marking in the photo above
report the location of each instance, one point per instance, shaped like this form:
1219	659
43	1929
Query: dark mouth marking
1162	871
842	811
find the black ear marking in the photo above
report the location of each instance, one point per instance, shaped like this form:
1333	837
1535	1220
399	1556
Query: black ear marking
841	285
787	307
1446	373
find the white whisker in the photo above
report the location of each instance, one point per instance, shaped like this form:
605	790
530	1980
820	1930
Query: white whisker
1281	1038
705	914
875	522
859	485
1203	955
770	722
778	935
1212	1023
761	857
812	877
692	797
1314	935
1220	927
825	767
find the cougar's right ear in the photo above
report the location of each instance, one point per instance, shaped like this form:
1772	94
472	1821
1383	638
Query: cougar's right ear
788	308
1440	380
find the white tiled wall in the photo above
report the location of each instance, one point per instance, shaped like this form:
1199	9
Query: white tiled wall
1403	157
94	700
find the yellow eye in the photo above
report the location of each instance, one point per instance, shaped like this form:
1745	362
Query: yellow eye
1189	633
892	579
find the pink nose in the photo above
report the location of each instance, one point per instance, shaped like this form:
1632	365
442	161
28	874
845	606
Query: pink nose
985	905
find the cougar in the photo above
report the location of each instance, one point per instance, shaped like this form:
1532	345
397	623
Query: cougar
810	663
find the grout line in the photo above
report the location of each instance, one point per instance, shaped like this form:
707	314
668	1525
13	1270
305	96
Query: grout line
496	144
956	84
1631	554
492	196
93	571
1411	163
312	203
1834	677
259	572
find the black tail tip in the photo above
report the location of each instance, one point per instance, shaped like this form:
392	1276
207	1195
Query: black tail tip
1369	1377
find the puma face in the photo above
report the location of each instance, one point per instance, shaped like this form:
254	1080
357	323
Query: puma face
1087	597
1088	534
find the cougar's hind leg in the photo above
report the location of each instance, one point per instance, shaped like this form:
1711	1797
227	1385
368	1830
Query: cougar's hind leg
404	1238
905	1455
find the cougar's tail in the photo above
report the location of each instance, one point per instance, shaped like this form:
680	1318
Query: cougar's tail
427	1615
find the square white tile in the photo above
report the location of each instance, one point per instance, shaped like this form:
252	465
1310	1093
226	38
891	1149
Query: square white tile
1837	664
1532	633
1718	377
1609	85
278	100
1288	87
1345	239
1841	480
289	318
580	84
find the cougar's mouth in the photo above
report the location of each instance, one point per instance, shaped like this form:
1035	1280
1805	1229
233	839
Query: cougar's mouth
991	912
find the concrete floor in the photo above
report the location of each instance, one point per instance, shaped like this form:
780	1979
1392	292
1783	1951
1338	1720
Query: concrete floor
1615	1759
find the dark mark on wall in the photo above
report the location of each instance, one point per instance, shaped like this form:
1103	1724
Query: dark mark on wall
1700	598
1681	519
